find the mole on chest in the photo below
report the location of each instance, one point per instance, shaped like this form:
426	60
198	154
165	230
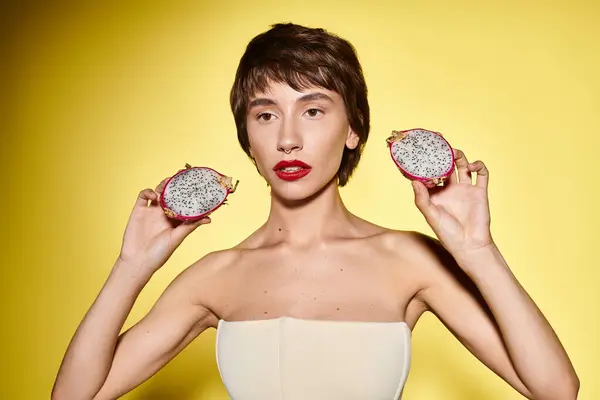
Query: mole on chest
303	296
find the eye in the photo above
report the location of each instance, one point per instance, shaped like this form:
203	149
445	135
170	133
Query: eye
313	112
264	117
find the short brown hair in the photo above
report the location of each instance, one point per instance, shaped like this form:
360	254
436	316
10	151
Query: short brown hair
301	57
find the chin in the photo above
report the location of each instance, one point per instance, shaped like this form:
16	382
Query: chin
299	191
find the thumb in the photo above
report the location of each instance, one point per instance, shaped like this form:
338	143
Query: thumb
184	229
422	200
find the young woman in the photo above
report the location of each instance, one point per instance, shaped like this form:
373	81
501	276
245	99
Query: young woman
317	303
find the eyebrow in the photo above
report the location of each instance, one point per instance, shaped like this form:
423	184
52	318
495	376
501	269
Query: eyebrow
314	96
263	101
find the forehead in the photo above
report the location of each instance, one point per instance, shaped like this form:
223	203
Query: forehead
283	91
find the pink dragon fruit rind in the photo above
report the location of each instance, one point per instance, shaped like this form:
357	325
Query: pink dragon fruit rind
429	181
225	187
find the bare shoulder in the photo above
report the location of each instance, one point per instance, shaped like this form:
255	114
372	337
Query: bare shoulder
407	256
214	262
424	261
436	269
415	246
201	282
406	244
215	265
424	255
431	256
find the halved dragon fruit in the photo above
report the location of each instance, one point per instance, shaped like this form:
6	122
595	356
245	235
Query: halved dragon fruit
195	192
422	155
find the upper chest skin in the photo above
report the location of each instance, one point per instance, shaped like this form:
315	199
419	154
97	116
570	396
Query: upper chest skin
356	279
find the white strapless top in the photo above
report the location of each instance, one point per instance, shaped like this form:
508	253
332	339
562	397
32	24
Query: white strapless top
298	359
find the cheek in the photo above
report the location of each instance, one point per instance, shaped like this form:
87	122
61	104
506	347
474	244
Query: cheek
259	147
331	141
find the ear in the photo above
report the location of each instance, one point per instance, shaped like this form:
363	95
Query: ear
352	139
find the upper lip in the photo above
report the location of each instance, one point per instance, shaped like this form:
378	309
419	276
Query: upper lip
290	163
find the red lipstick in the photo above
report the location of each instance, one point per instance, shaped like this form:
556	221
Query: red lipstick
296	170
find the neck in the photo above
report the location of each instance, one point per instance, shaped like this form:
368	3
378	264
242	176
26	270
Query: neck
309	220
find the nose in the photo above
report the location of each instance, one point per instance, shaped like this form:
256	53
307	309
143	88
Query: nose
289	138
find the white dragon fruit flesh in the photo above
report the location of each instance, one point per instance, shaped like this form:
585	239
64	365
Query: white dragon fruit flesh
195	192
422	155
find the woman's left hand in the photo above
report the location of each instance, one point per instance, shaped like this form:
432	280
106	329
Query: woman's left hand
458	212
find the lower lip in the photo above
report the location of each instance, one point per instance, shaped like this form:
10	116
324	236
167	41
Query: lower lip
292	176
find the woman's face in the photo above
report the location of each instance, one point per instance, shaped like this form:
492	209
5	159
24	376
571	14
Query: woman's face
298	138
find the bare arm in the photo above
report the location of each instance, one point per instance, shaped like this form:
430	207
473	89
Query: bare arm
100	364
90	353
496	320
469	286
174	321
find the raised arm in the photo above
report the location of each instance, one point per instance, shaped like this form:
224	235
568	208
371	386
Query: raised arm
495	319
174	321
469	285
98	362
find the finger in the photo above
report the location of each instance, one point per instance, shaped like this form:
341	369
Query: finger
483	175
462	166
423	201
184	229
161	186
453	178
145	196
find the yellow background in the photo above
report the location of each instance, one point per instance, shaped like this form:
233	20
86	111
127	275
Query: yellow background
101	102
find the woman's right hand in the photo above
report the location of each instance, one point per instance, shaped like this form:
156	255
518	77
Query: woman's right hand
151	237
